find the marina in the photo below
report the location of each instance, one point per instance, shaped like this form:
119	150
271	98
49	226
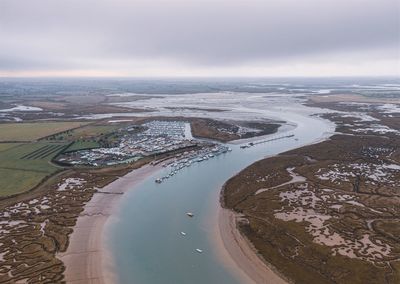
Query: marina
149	139
187	159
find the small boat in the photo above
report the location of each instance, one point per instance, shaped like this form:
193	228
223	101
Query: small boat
190	214
199	250
158	180
183	233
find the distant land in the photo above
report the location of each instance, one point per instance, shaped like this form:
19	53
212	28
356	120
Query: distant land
307	171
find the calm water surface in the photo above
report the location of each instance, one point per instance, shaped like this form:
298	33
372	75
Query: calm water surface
145	241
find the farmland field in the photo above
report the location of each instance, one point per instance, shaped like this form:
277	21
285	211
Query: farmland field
15	181
93	131
79	145
34	131
86	132
6	146
23	166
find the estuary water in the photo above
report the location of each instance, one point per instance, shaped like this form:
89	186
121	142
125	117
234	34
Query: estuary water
145	240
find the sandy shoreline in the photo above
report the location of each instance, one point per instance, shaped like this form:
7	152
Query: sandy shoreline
242	254
87	259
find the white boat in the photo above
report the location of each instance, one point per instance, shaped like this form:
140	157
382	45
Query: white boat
158	180
199	250
190	214
183	233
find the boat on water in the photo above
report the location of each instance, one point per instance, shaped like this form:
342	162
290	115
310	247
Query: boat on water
190	214
183	233
158	180
199	250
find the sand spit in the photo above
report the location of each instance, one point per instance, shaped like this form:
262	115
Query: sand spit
87	259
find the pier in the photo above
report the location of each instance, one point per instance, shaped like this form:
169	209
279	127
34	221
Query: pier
265	141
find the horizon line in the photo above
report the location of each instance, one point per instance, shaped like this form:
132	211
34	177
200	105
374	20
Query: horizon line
392	76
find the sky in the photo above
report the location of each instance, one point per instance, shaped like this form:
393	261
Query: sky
205	38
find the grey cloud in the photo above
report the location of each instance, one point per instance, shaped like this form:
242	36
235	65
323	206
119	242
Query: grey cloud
62	34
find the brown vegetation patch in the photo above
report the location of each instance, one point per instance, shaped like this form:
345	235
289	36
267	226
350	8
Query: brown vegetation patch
36	226
212	129
228	131
338	222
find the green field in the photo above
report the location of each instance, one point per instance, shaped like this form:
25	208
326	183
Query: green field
6	146
33	131
88	133
79	145
92	131
23	166
16	181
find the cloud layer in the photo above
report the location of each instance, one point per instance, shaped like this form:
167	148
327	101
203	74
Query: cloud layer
178	37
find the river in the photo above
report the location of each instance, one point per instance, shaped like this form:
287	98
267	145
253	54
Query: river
145	240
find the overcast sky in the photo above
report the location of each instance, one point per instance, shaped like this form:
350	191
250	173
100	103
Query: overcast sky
199	37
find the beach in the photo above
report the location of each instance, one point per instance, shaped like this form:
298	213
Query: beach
87	258
237	252
243	253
